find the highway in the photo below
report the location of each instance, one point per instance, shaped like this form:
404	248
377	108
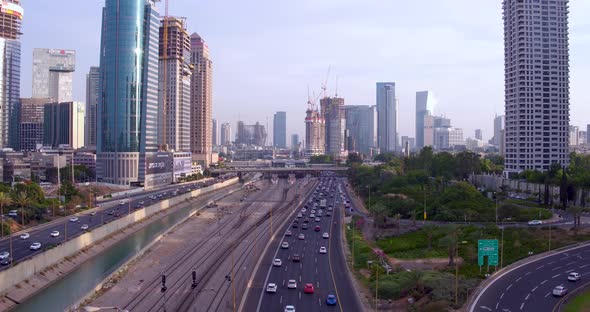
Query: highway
529	287
327	272
106	212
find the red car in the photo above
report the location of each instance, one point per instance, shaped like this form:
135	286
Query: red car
316	228
308	289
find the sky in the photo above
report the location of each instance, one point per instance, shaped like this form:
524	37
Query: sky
267	54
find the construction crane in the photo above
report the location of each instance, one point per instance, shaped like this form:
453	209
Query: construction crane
325	84
164	90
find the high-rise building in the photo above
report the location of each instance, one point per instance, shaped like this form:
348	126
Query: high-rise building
128	107
315	128
447	138
574	133
53	74
386	117
498	127
92	92
251	134
201	101
226	134
63	124
214	132
279	130
31	118
11	16
295	141
175	85
361	122
409	142
536	58
335	123
478	134
582	137
587	134
425	103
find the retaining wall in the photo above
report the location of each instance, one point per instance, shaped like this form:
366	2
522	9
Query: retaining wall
25	269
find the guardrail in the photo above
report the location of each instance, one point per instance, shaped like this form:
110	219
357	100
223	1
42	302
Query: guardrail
475	295
568	296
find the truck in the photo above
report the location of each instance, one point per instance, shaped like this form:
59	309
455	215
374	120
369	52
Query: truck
323	203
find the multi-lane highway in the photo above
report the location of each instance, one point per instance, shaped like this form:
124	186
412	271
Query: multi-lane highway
67	228
529	287
303	262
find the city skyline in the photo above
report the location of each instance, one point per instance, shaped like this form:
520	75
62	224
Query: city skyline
482	44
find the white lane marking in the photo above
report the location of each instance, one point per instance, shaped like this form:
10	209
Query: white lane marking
563	258
556	268
507	288
552	262
497	304
543	282
570	263
502	296
583	266
534	288
569	270
522	305
528	273
518	279
556	275
540	267
527	297
486	308
299	295
283	282
299	278
281	301
547	295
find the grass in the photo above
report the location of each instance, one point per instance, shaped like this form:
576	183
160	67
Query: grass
580	303
412	245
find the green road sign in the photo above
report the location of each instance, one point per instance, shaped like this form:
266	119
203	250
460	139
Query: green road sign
487	248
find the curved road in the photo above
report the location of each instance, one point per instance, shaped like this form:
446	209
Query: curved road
528	287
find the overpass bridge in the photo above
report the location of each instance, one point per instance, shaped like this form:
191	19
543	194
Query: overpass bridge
281	171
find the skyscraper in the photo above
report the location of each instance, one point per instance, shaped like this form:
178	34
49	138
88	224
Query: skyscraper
478	134
425	103
53	74
175	85
279	130
588	134
536	84
335	123
294	141
498	127
92	92
127	118
11	16
214	132
63	124
361	121
314	133
201	101
31	119
386	117
226	134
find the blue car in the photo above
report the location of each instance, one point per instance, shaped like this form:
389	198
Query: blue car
331	300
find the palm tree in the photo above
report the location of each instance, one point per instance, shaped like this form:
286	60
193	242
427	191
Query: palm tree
5	200
429	230
23	201
451	241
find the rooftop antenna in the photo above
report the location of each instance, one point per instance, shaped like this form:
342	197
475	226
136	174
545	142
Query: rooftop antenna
336	94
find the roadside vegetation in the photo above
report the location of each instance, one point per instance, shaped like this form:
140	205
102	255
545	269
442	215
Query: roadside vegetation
580	303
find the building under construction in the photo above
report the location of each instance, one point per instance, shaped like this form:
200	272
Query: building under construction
335	123
251	134
314	132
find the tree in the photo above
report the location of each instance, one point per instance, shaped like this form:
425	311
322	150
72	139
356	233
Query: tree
429	229
450	241
23	201
576	212
354	158
5	200
379	212
563	196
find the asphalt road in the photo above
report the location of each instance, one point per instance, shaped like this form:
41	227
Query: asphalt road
327	272
106	212
529	287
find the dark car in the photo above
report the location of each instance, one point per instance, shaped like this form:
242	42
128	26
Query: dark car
331	300
296	258
6	261
317	228
295	225
304	226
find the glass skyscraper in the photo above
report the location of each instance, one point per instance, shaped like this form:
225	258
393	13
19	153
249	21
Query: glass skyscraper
279	130
127	114
425	103
386	117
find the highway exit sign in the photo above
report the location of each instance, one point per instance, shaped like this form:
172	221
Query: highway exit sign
487	248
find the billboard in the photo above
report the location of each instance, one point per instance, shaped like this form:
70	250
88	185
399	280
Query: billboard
183	165
158	163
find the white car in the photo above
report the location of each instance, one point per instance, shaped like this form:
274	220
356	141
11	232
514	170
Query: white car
74	219
299	216
285	245
289	308
323	250
535	222
24	236
35	246
277	262
317	220
312	215
122	203
559	291
4	255
292	284
574	276
54	234
271	288
84	227
301	236
326	235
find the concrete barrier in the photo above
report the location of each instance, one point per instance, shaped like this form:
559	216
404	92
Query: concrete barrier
26	269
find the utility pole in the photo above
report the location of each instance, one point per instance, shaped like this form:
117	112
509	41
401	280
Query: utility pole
457	269
233	285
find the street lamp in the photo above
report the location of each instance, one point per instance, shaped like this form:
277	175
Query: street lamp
94	309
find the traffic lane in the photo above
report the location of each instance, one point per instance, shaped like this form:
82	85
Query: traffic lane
530	286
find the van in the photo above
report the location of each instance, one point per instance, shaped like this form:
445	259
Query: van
13	213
